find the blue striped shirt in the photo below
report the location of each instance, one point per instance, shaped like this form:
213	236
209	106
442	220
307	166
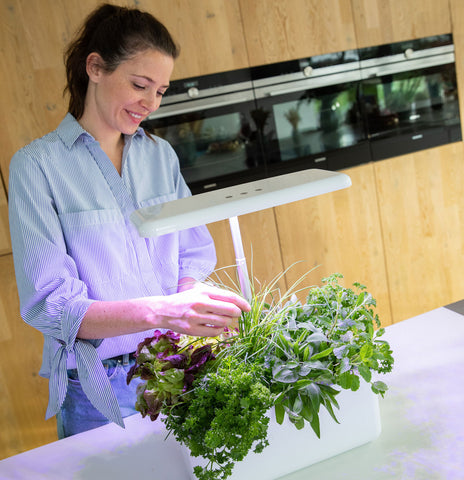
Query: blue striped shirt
73	244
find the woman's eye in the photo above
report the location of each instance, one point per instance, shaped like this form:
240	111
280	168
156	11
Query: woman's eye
138	87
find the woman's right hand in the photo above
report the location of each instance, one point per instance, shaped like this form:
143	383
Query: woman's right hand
202	310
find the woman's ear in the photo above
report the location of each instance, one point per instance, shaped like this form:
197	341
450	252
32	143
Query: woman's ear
94	66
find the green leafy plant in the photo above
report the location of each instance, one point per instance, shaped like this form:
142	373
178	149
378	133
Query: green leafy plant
292	356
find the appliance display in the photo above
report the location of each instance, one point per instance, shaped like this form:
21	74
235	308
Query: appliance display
328	111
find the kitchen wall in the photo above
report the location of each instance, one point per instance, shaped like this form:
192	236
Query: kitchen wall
399	229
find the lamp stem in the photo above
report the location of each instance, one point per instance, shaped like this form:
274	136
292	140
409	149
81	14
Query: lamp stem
242	270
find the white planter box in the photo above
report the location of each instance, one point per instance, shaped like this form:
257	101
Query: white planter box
290	449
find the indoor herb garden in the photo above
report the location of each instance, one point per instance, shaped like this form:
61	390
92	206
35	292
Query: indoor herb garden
214	394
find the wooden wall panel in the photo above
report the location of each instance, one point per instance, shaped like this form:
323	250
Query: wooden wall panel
5	242
23	394
457	13
276	31
422	215
260	240
385	21
209	33
338	232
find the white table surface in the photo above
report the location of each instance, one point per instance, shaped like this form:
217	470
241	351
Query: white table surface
422	418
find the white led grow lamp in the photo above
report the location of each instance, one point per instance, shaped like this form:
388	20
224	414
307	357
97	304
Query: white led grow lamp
237	200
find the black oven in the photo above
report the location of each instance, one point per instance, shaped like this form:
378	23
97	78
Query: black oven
210	123
329	111
409	96
311	114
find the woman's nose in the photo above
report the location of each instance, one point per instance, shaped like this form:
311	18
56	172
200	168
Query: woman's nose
151	101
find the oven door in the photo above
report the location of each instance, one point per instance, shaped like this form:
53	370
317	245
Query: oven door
411	109
314	127
215	139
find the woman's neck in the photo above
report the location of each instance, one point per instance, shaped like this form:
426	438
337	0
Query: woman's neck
112	143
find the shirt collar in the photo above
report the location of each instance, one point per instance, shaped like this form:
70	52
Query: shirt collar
69	130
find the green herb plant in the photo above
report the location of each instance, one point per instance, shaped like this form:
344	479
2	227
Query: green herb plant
215	394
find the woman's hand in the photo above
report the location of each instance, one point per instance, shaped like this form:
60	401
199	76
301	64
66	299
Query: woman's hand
202	310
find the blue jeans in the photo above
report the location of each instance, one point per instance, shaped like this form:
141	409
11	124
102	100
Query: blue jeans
78	415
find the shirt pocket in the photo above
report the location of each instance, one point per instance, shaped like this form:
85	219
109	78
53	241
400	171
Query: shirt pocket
98	242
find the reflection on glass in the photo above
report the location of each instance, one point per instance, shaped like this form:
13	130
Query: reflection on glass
404	101
209	147
316	122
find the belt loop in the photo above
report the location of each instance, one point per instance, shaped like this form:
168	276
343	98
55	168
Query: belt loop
125	359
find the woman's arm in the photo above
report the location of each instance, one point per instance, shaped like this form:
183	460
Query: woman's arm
202	310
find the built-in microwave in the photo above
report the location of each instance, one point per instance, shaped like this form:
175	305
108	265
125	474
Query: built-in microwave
328	111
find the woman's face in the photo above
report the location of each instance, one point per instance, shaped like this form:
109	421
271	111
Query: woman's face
120	100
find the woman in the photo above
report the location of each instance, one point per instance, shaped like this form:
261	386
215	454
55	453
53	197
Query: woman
85	278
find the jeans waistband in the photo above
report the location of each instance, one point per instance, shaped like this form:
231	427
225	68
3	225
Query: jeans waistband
124	359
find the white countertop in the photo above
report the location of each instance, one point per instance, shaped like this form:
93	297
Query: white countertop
422	419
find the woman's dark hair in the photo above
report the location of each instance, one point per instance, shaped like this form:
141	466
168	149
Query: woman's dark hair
116	34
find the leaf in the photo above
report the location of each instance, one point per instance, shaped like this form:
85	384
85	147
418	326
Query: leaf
379	387
328	405
322	354
360	299
317	337
286	375
303	383
315	425
365	373
307	411
345	365
355	383
306	353
345	380
366	351
279	413
297	405
299	423
314	393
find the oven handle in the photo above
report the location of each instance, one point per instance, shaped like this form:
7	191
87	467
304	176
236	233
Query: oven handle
308	84
202	104
407	65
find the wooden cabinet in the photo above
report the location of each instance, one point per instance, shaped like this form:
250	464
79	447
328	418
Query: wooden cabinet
338	233
261	247
209	33
422	219
386	21
276	31
24	394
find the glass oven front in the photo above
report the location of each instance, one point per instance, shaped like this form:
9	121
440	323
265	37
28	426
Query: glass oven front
410	99
210	124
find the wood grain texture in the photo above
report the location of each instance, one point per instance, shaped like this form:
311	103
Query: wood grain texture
5	242
261	246
23	394
209	33
277	31
338	233
386	21
422	215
